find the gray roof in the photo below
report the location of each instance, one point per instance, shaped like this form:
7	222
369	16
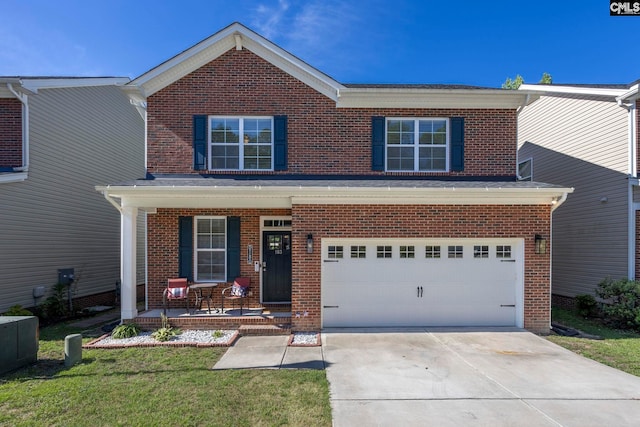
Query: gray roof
319	182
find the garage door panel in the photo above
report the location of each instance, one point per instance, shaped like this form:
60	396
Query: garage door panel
420	291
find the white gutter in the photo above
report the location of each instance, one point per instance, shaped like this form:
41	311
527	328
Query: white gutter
555	204
573	90
25	128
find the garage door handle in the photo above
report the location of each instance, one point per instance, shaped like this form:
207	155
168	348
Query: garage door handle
330	306
420	291
330	260
507	305
507	260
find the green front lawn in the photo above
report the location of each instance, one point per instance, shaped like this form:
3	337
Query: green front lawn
619	349
158	386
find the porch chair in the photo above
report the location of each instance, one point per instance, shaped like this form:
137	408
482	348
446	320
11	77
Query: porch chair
177	289
238	292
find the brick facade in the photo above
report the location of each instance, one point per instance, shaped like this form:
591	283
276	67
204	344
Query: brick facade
346	221
409	221
241	83
10	132
324	139
162	248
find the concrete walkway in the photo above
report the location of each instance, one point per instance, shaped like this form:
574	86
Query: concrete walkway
270	352
461	377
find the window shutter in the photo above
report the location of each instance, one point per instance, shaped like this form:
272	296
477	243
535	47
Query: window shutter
185	247
457	144
280	143
233	248
199	142
377	143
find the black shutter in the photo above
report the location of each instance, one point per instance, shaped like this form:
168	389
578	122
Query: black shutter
185	247
377	143
233	248
457	144
280	143
199	142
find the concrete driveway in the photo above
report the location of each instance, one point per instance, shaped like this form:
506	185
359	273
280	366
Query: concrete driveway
470	377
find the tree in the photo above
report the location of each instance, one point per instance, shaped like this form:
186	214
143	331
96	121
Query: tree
546	79
513	84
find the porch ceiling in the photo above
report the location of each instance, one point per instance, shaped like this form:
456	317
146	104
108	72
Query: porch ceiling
201	192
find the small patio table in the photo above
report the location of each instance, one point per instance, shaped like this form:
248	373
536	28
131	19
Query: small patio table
204	292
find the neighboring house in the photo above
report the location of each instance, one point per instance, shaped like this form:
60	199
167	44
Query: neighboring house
58	137
355	205
586	136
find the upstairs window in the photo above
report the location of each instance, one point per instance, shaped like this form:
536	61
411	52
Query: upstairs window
525	170
417	145
241	143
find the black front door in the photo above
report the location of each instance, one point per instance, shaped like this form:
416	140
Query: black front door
276	266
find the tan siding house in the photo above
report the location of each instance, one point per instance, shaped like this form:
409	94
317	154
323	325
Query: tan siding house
75	133
583	137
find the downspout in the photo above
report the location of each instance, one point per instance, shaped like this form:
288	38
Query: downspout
25	128
633	172
632	158
518	111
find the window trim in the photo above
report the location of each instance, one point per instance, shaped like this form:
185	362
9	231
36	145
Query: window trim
241	158
196	250
417	145
528	177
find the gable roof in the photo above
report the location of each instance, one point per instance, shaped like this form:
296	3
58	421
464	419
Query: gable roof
237	36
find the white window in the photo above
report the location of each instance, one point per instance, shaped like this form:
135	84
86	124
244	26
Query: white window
336	252
481	251
211	249
358	251
407	251
503	251
525	170
241	143
417	144
383	252
432	252
455	251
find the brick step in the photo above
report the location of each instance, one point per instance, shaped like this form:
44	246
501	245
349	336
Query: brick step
281	329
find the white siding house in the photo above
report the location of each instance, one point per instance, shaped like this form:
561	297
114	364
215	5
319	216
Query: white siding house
586	138
75	132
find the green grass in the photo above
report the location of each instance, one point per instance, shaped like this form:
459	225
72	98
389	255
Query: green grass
158	386
619	349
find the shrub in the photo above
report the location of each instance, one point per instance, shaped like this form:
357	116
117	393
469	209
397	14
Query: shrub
126	330
55	306
17	310
586	305
166	332
622	302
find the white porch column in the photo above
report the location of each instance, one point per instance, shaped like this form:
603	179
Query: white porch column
128	280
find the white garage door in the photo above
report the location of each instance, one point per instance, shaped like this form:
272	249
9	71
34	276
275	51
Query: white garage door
446	282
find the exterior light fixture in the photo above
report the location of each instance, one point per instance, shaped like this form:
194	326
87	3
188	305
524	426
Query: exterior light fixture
309	243
541	244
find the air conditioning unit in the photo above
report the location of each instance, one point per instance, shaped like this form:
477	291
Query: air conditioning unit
18	342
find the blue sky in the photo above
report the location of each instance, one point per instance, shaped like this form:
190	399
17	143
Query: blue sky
479	42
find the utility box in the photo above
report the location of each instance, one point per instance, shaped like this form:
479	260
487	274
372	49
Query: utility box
18	342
